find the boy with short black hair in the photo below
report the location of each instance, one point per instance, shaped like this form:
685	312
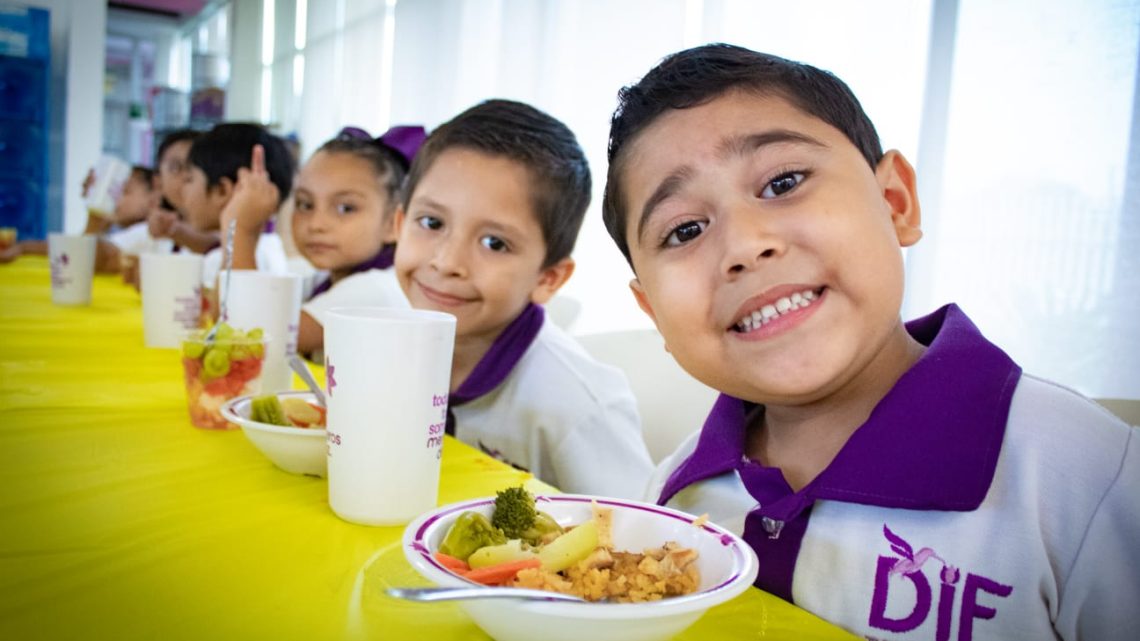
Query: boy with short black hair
211	178
902	480
493	205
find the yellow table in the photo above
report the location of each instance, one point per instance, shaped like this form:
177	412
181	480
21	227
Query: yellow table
118	520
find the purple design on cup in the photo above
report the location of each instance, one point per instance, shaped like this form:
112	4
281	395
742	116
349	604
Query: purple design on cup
330	377
63	259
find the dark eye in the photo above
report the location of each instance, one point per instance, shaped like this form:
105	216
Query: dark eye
782	184
684	232
494	243
430	222
302	205
345	208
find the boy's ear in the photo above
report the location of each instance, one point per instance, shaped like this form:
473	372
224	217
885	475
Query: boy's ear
224	189
551	279
900	191
642	299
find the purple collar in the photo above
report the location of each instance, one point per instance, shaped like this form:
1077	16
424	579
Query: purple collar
382	260
499	361
932	441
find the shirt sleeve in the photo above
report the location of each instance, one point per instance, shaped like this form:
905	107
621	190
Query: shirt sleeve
1099	599
604	454
133	240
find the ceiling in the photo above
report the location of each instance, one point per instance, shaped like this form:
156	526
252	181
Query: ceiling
175	8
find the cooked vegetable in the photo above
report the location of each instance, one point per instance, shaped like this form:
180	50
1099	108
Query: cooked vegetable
514	512
451	563
545	529
267	409
501	573
512	550
571	547
470	532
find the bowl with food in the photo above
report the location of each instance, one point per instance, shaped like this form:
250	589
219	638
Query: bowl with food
287	427
646	572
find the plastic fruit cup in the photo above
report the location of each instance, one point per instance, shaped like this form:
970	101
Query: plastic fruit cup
227	368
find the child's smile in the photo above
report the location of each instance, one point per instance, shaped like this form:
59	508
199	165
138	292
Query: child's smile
767	249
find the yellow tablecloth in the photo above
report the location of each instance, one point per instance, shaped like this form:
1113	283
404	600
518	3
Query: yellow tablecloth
119	520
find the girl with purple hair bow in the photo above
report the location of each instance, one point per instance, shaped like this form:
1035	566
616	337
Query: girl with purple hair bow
344	200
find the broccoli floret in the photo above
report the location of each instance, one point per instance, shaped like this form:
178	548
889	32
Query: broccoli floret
470	532
514	512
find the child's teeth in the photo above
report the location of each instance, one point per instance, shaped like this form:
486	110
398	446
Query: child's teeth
767	313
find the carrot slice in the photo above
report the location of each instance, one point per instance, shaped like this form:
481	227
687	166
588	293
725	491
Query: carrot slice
501	573
451	563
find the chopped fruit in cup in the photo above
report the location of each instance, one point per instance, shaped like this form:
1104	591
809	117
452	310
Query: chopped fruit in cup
228	367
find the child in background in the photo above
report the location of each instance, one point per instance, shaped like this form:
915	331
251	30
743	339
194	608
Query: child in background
168	221
343	205
215	160
125	231
901	480
493	204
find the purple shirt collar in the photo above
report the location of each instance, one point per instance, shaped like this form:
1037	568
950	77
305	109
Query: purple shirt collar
382	260
932	441
499	361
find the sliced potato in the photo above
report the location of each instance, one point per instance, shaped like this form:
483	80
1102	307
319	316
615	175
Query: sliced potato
512	550
571	547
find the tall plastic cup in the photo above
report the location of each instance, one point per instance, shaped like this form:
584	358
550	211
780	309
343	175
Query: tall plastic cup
72	261
171	287
111	175
387	375
273	303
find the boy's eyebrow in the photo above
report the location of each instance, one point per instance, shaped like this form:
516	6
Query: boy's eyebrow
732	146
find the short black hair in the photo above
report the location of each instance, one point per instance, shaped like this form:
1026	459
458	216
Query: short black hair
221	151
168	141
699	75
144	175
540	143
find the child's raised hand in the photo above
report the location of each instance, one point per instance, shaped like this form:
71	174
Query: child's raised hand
255	197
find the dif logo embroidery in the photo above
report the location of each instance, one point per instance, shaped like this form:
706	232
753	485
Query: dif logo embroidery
902	575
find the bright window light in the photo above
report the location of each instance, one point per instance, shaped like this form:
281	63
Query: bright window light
298	74
299	23
266	94
268	21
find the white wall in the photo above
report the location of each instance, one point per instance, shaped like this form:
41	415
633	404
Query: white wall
78	37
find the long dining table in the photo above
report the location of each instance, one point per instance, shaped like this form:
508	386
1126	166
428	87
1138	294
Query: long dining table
119	520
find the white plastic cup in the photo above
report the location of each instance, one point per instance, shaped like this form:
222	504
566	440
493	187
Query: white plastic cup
72	260
171	288
273	303
387	375
111	175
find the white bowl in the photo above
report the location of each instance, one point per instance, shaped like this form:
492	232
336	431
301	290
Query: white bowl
727	565
300	450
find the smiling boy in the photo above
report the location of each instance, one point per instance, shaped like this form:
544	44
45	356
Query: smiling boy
897	479
493	205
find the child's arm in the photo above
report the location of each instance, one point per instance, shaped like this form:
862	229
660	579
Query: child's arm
310	335
107	260
253	203
165	224
24	248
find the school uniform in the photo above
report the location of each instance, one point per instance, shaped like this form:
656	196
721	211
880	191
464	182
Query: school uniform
976	502
538	401
136	239
269	256
372	284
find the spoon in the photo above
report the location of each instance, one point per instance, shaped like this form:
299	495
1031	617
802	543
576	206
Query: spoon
453	594
298	366
228	268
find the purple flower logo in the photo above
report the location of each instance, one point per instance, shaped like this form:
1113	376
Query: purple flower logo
330	378
63	259
912	561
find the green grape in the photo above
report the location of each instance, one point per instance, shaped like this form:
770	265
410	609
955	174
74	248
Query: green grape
257	350
239	351
192	349
225	332
255	334
216	363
